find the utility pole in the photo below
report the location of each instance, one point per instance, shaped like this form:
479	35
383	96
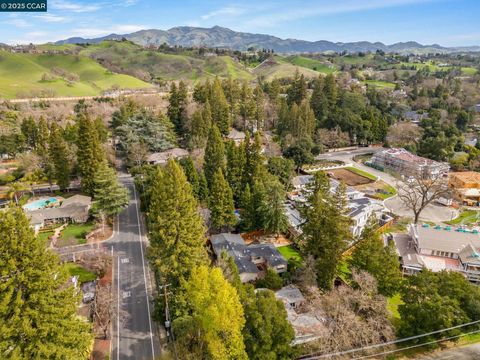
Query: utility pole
168	323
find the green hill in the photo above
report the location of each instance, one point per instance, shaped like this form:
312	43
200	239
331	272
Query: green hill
279	67
132	59
29	75
312	64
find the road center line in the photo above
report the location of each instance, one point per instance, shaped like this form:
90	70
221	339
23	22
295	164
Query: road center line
144	272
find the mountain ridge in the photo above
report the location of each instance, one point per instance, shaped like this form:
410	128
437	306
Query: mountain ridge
222	37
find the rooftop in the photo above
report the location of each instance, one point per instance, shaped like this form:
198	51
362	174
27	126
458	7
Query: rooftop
467	176
445	239
162	157
407	156
242	254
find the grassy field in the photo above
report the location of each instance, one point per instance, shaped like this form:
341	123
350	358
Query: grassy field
361	172
392	306
466	217
312	64
433	67
43	236
77	270
29	75
289	252
137	61
281	69
380	84
75	234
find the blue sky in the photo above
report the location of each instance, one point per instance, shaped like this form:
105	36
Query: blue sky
446	22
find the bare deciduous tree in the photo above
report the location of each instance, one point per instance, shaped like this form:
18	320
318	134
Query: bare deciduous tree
419	191
105	310
354	317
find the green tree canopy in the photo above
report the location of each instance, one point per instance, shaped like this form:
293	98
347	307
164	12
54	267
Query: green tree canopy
211	322
177	233
380	261
38	307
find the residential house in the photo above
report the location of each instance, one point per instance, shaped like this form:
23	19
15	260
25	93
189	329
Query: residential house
361	207
251	260
74	209
406	164
291	296
308	326
466	186
414	116
161	158
237	136
440	248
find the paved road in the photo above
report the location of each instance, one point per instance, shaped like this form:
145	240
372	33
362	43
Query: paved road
468	352
134	338
433	212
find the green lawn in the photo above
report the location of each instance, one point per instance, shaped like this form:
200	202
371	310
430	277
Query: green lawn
74	234
43	236
362	173
83	274
289	252
312	64
21	76
380	83
400	225
466	217
388	192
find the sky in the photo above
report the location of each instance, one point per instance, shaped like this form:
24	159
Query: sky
444	22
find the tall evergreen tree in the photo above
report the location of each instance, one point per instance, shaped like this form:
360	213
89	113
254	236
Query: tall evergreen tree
177	234
191	174
297	91
110	195
326	229
38	308
380	261
272	208
59	157
259	98
89	152
318	100
177	105
211	322
214	154
220	108
235	168
267	332
222	210
30	131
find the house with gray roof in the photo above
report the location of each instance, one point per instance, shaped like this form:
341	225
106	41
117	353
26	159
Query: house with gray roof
74	209
439	248
161	158
251	260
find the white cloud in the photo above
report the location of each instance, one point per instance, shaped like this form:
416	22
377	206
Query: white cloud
75	7
19	23
229	11
51	18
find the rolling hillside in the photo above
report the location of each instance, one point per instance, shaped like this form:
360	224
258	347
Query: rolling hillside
126	57
279	67
30	75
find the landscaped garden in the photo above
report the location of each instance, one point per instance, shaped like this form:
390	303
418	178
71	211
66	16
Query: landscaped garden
289	252
75	234
77	270
466	217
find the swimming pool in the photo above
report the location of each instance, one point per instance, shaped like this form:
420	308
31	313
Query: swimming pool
40	203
